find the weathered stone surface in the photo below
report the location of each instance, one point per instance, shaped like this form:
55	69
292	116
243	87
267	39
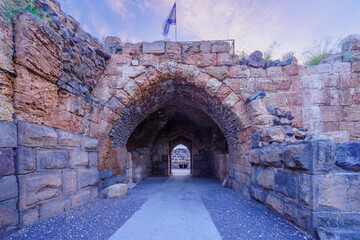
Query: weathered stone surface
78	158
88	177
80	198
258	194
34	135
6	161
54	208
9	187
273	134
255	59
25	160
69	178
52	159
220	47
219	73
116	191
38	47
337	136
265	177
337	233
37	187
107	173
276	203
348	156
68	139
287	183
256	108
93	159
8	214
89	143
8	136
255	96
239	72
6	48
314	156
29	217
212	86
157	47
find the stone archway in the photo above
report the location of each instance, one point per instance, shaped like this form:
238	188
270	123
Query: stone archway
141	86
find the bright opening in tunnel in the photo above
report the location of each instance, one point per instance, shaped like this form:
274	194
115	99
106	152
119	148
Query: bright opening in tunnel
180	160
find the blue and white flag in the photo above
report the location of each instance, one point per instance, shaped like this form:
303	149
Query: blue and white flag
171	20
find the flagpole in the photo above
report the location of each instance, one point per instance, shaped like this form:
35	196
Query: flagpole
175	26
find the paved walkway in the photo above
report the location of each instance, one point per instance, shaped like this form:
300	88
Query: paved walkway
176	211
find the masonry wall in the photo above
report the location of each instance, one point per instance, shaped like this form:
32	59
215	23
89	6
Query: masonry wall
301	182
44	171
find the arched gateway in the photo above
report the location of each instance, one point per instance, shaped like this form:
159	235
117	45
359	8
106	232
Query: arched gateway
163	91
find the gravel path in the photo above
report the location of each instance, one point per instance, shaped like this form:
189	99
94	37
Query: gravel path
238	218
96	220
234	217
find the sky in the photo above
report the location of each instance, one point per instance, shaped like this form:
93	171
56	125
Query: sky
254	24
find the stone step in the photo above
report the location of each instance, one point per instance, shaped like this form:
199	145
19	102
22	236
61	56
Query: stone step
339	233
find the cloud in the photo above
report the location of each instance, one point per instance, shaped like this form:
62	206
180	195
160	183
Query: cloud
121	7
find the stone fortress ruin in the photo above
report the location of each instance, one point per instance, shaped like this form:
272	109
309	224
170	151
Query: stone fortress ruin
77	117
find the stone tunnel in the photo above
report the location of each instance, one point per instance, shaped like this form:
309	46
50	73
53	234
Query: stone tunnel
78	116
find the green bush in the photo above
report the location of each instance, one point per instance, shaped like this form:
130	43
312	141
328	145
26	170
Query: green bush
12	9
319	51
317	59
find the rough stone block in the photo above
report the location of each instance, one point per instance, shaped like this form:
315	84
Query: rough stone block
8	136
324	187
80	198
38	47
6	161
52	159
272	155
348	156
116	191
68	139
8	214
9	187
212	86
316	156
265	177
275	203
78	158
34	135
107	173
254	156
287	183
337	233
25	160
54	208
220	47
111	181
157	47
69	181
29	217
88	177
258	194
37	187
349	219
93	159
120	178
90	143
